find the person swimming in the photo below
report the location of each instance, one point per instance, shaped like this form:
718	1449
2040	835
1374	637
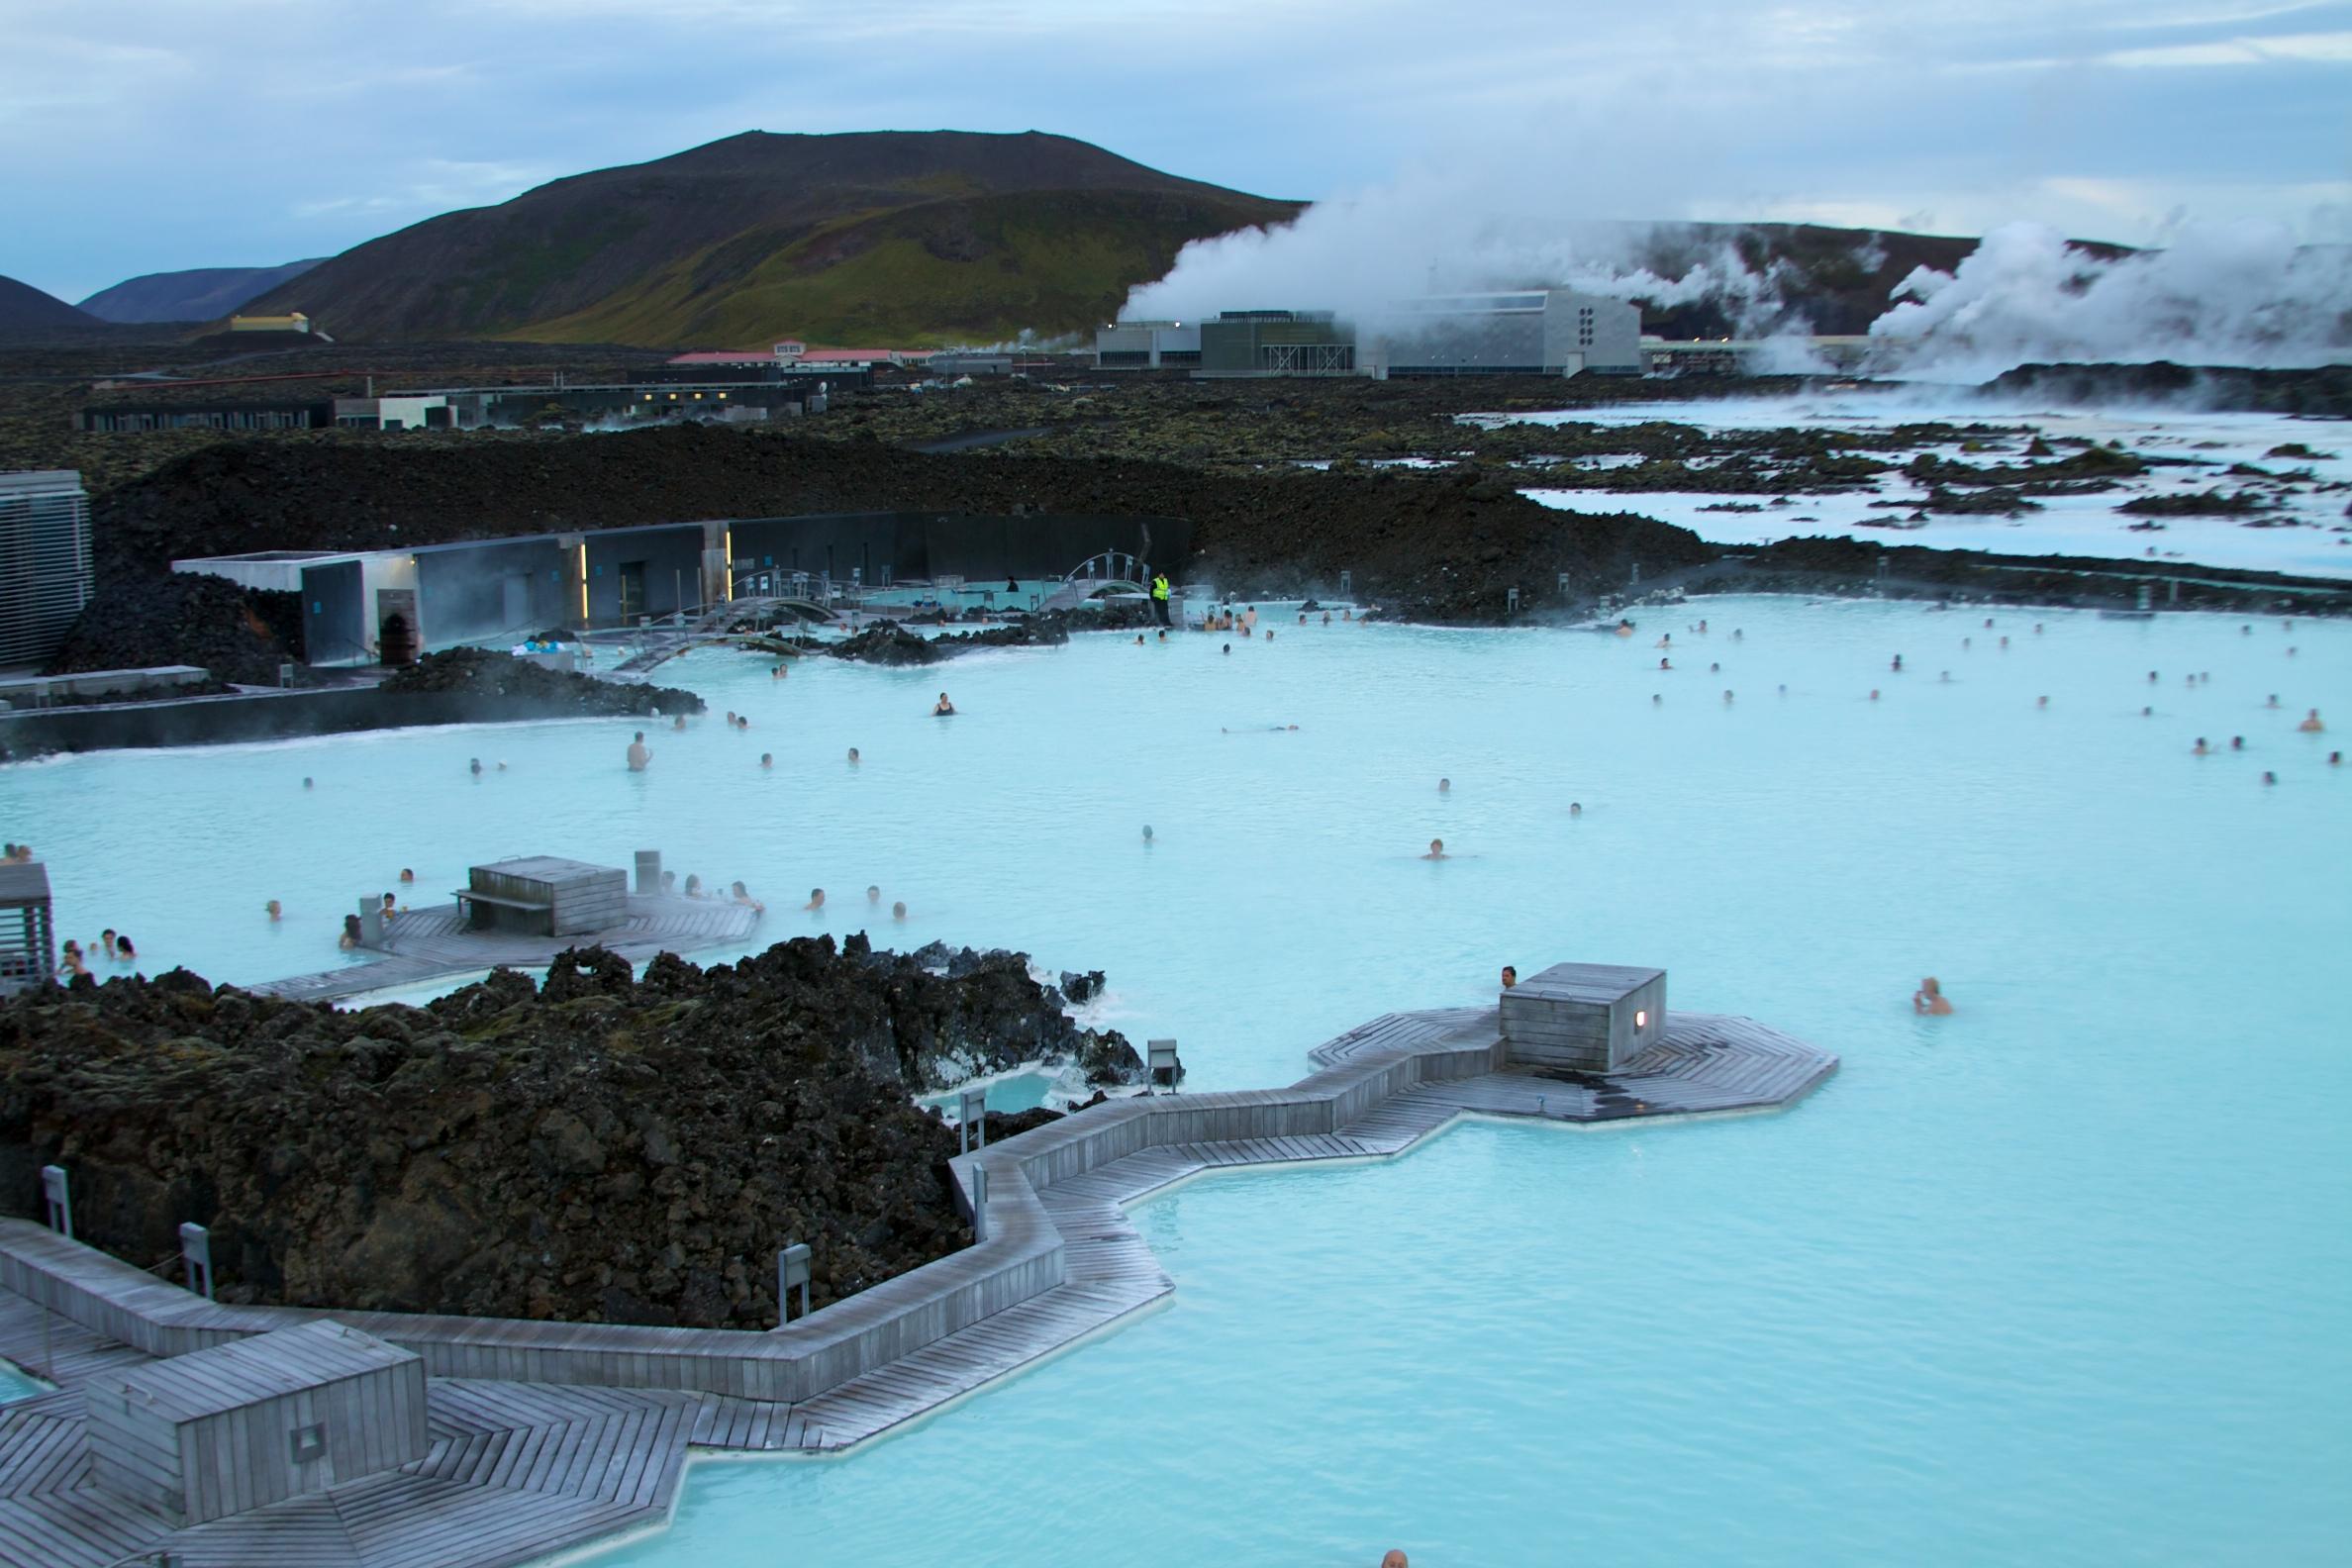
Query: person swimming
694	885
1897	666
1726	697
679	723
743	896
942	708
2270	777
1576	808
390	908
1445	786
1929	999
1436	849
853	757
1509	977
124	951
308	783
407	875
106	940
274	910
2274	700
897	910
816	899
638	756
2310	724
474	766
351	933
1148	832
1228	648
873	894
2201	749
1665	664
767	759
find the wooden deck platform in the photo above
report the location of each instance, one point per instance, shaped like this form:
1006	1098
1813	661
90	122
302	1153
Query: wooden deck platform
421	946
520	1469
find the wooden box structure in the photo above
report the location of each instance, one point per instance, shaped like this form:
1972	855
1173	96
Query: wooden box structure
544	895
1583	1017
28	937
214	1432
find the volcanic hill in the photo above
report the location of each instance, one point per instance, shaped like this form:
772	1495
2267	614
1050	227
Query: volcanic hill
199	294
24	307
887	237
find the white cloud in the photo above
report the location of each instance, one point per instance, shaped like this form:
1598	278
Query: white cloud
2321	48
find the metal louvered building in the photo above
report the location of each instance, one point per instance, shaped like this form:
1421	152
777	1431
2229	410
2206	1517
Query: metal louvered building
45	561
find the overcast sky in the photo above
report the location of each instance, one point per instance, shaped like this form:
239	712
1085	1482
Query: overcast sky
144	137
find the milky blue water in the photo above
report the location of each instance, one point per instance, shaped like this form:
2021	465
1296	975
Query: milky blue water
2060	1278
14	1385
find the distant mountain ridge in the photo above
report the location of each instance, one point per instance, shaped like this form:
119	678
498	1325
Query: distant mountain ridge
198	294
864	238
24	307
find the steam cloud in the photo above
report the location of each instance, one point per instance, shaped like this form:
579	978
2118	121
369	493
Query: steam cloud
2240	294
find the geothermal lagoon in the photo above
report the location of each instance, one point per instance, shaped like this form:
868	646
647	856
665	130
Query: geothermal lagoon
2034	1279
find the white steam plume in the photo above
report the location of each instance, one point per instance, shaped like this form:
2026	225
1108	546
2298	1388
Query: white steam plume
2238	294
1433	232
2242	294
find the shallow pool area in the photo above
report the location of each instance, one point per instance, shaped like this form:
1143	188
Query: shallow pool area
2192	450
2056	1278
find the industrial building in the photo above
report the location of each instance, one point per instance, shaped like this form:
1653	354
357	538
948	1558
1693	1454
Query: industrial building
292	321
506	589
1524	331
631	402
1147	346
45	561
129	418
1276	343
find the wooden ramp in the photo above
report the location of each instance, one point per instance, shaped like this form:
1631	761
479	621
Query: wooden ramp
517	1470
427	945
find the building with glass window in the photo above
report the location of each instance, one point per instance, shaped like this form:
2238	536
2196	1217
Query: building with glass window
1277	343
45	561
1147	346
1524	331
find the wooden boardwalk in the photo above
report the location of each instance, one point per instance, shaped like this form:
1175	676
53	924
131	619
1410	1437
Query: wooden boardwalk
421	946
517	1470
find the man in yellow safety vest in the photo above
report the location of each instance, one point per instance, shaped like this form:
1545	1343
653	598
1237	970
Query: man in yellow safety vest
1160	597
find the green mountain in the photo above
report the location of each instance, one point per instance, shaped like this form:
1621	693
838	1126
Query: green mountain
872	237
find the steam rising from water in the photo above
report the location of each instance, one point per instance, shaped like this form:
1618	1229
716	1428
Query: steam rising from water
2242	294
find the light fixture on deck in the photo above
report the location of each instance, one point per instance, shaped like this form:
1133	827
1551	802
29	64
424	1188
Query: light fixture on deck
971	1116
792	1268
